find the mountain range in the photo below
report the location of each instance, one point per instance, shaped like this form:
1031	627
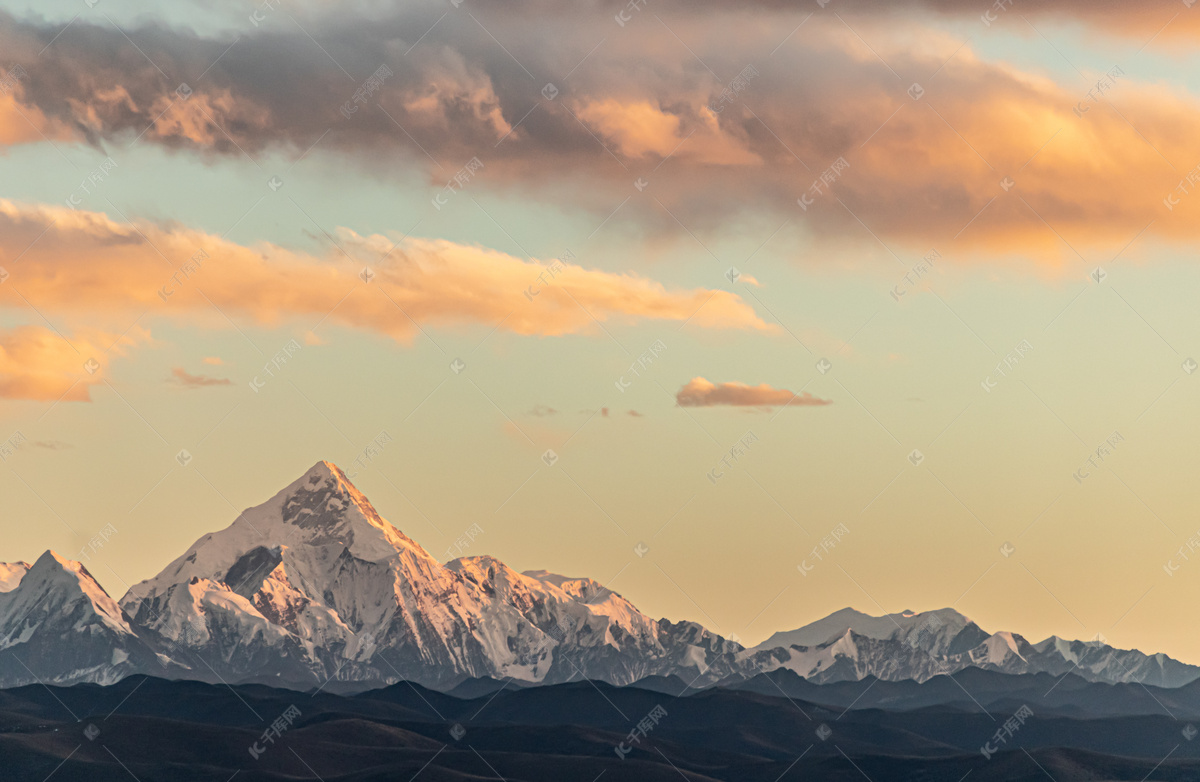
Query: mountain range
314	589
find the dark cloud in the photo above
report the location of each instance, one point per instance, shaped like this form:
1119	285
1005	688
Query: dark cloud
642	121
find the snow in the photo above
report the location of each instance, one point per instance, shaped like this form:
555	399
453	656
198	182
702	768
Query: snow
11	574
998	648
942	624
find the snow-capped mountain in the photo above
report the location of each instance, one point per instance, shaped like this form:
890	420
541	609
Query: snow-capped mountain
936	632
314	586
850	645
600	634
57	625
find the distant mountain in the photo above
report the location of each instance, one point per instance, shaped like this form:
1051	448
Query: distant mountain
314	589
57	625
849	645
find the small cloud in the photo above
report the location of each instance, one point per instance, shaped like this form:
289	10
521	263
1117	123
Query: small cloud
604	412
312	338
182	378
542	411
702	393
748	280
635	414
214	361
51	445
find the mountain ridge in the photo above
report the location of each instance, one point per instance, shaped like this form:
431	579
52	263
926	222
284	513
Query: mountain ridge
314	587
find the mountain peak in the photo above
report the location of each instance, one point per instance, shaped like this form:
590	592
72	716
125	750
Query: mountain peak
324	502
70	579
53	561
944	622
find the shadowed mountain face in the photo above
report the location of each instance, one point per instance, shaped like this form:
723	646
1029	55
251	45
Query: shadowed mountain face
315	588
583	731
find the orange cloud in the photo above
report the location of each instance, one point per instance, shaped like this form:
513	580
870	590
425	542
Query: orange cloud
37	363
21	123
702	393
86	263
640	128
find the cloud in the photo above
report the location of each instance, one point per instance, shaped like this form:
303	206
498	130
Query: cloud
983	160
635	414
214	361
542	411
180	377
37	363
699	392
51	445
87	265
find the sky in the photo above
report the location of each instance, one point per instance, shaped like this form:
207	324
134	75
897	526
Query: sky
749	315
